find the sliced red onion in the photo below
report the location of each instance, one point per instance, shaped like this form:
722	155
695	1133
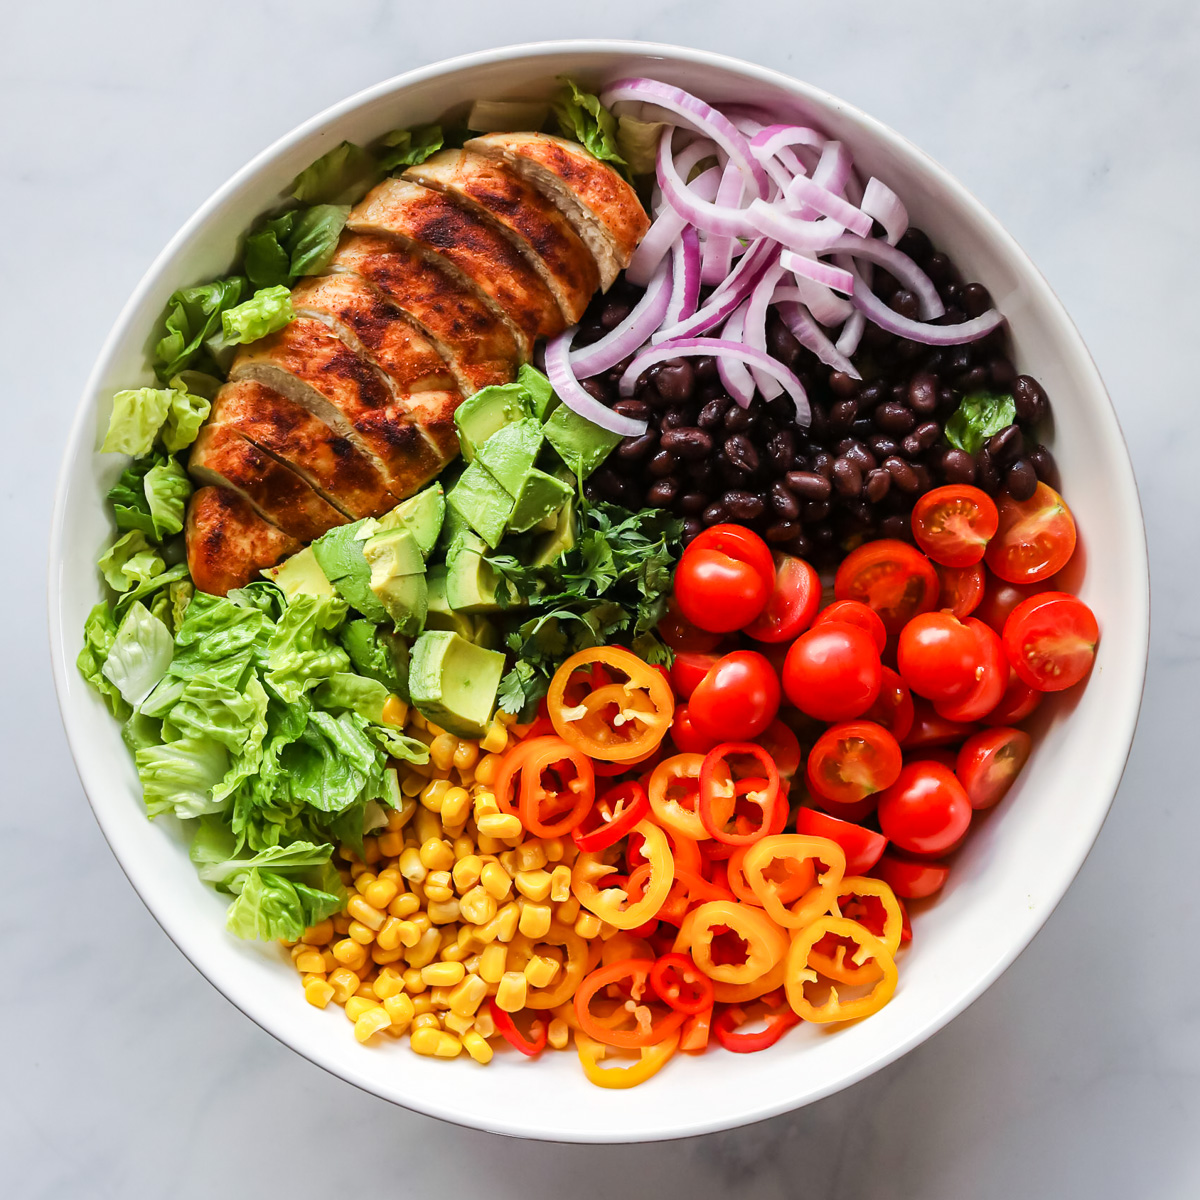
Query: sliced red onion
632	333
685	278
809	334
768	142
754	329
726	298
834	169
895	263
881	203
717	254
577	398
695	114
719	348
878	313
823	306
791	232
851	334
665	231
723	220
807	192
818	271
738	381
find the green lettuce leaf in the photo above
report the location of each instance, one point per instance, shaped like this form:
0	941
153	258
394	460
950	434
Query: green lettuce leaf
581	116
399	745
193	315
344	175
137	416
209	707
99	633
186	412
333	764
638	143
355	693
131	509
179	776
139	656
216	630
270	906
301	651
167	488
265	258
407	147
150	589
315	238
129	561
376	654
266	311
977	418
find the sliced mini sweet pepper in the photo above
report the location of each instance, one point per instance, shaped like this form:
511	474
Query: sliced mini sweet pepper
652	1060
614	904
758	943
798	852
632	977
613	815
549	812
675	793
722	797
882	918
800	971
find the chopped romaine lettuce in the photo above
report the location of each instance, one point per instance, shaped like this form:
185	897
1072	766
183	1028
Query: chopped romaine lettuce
179	776
139	655
193	315
137	416
407	147
301	651
266	311
166	488
581	116
344	175
129	561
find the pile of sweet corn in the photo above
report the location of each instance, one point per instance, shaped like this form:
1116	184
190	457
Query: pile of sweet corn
446	908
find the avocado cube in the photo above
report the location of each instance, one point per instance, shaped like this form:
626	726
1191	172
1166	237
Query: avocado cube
482	503
486	412
300	575
454	683
398	577
422	515
470	578
377	655
541	496
555	544
509	454
582	445
339	554
537	388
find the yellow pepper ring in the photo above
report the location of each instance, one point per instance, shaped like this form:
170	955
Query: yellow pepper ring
819	899
852	971
650	1063
590	869
766	943
570	973
743	993
669	812
799	972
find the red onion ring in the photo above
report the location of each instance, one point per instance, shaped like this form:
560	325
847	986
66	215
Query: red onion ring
576	397
809	194
851	334
717	255
895	263
738	381
792	232
668	224
631	333
726	298
808	333
754	329
723	220
819	272
685	278
883	205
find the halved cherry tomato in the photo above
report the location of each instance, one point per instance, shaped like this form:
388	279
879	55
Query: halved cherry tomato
991	680
893	709
891	577
737	699
681	984
962	589
833	672
953	524
1018	701
724	579
682	636
795	595
862	847
926	810
988	763
612	816
741	543
854	612
1000	598
1036	537
852	760
783	746
939	656
687	738
910	878
1050	639
930	729
688	669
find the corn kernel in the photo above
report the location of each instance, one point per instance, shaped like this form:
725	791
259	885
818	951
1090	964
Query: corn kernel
435	1043
487	845
567	911
510	995
509	861
477	906
381	957
441	751
539	971
364	935
466	998
400	1008
495	880
437	892
412	784
436	854
349	953
443	974
533	884
466	755
364	878
588	925
371	1022
423	953
477	1047
466	872
319	934
422	922
357	1005
535	920
560	884
330	962
456	807
442	912
503	828
395	712
371	853
487	768
531	855
492	962
495	740
558	1034
506	921
414	985
366	914
389	982
426	1020
341	923
411	866
391	843
553	848
311	961
344	983
400	816
455	952
484	1025
318	992
366	989
404	905
389	935
380	893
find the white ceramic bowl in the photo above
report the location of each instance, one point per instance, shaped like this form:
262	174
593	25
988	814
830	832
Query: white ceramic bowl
1016	866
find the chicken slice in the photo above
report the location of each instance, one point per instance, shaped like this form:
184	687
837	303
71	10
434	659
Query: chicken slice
228	543
311	366
540	231
223	457
468	247
331	465
475	342
601	206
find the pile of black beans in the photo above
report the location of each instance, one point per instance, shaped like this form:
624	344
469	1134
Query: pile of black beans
873	447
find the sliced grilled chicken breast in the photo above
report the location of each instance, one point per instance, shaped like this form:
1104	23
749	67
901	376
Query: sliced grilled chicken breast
223	457
468	247
332	465
312	367
601	206
228	543
541	231
476	343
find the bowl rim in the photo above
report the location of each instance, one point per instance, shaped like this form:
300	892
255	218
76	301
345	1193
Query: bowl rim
62	658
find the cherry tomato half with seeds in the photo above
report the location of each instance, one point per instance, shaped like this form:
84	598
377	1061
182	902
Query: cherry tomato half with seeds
1050	639
737	699
891	577
962	589
893	708
926	811
989	761
716	592
688	669
939	657
795	595
911	879
1035	538
1018	701
833	672
854	612
853	760
861	846
991	678
954	524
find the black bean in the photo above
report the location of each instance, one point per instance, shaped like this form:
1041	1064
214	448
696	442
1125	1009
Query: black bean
1021	481
973	379
847	477
688	443
921	439
1045	466
674	380
782	531
662	494
614	312
713	412
916	245
958	360
924	477
896	526
816	510
596	390
740	452
783	502
714	514
881	445
800	546
635	449
877	484
1031	402
958	466
844	386
858	454
637	410
894	418
662	464
974	299
808	485
922	393
693	503
705	368
986	475
781	449
905	303
703	474
872	394
740	420
902	473
841	416
693	527
743	506
948	398
782	344
818	422
1005	445
651	395
1003	373
781	410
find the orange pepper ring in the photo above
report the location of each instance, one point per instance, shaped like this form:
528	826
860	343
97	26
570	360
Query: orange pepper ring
837	968
799	848
624	1039
799	972
548	752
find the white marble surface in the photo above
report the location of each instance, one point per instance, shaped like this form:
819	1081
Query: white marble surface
1078	1074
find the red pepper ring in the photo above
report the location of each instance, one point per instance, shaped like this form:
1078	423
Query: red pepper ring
726	1028
507	1028
714	787
618	810
680	984
533	793
647	1032
510	769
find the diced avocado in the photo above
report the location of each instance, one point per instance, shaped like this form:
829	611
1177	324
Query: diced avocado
486	634
554	545
452	527
377	654
537	386
422	515
481	415
540	497
435	583
398	577
580	444
454	683
474	627
339	553
482	502
470	579
509	454
300	575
